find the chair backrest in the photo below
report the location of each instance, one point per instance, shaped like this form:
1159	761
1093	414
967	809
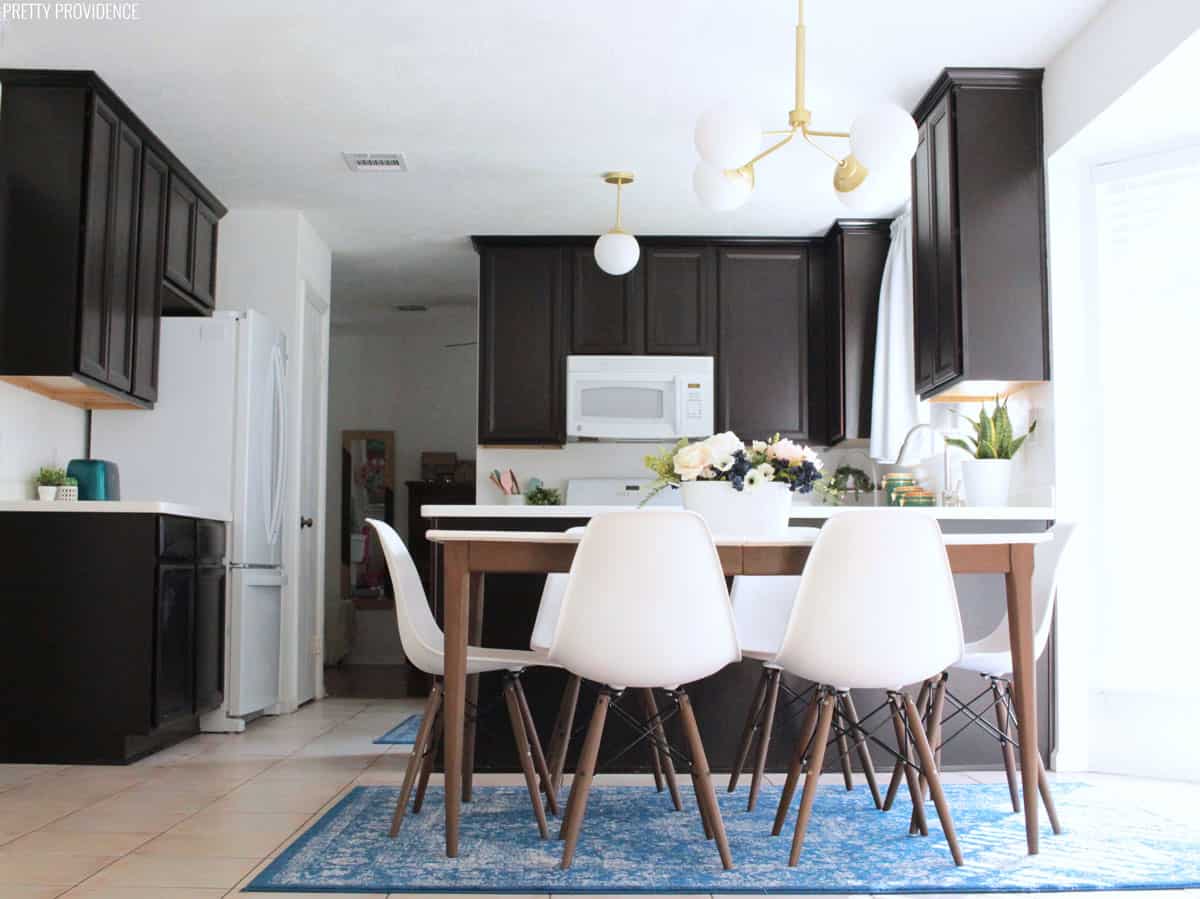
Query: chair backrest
876	606
646	603
422	639
1047	568
547	614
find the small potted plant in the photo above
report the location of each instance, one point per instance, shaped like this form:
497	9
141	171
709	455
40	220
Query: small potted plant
538	494
48	481
987	475
68	490
738	489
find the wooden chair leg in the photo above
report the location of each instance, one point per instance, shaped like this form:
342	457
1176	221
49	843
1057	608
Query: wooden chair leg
1000	699
664	752
747	738
917	823
524	754
651	742
582	782
705	793
704	822
1043	780
435	744
925	754
860	745
811	782
561	737
843	745
535	746
433	705
898	768
807	727
764	736
933	731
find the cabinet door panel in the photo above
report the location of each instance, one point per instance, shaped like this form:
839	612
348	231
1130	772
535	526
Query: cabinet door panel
180	265
521	344
151	233
681	301
948	356
763	353
122	286
606	310
210	637
174	642
925	304
94	303
204	280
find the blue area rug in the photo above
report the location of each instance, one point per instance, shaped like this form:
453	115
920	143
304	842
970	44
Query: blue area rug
402	733
632	842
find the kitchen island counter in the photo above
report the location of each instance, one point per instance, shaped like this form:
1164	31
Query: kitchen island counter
800	510
115	507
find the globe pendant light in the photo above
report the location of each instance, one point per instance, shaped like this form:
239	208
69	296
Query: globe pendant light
617	252
875	173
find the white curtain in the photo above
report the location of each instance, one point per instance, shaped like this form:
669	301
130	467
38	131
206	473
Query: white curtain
895	408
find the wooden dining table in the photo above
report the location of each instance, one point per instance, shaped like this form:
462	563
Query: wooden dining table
468	555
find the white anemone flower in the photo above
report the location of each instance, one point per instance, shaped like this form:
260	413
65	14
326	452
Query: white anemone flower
754	478
766	471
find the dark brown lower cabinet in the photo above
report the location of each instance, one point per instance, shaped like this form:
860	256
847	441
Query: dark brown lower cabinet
113	638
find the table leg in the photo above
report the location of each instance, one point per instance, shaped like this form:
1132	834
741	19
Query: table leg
456	596
1018	583
475	638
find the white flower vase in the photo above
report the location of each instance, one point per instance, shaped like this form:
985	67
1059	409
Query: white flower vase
761	511
46	494
987	481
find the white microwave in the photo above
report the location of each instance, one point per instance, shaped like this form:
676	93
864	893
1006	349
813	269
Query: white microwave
639	397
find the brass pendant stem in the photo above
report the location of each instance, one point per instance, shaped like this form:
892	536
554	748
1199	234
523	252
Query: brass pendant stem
620	184
799	116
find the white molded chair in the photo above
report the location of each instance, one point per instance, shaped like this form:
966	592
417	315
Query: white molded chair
424	645
645	607
991	657
876	608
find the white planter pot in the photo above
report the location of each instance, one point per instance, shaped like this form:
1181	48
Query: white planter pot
761	511
67	494
987	481
46	494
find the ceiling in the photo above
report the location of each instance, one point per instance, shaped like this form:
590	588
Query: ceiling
509	111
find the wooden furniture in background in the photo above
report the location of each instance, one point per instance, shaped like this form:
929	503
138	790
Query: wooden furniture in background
979	231
86	221
468	555
368	478
422	493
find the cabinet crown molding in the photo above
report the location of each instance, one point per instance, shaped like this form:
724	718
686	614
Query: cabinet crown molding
963	76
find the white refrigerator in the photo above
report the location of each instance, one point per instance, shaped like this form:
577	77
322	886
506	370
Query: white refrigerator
216	440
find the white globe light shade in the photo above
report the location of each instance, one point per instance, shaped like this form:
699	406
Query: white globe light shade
727	136
720	190
617	252
882	192
884	137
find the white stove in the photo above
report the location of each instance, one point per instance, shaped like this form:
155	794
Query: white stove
617	492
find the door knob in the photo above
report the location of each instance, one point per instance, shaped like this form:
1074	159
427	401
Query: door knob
305	522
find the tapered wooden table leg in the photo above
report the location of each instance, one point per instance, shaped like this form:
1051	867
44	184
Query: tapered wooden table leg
1018	584
475	638
456	598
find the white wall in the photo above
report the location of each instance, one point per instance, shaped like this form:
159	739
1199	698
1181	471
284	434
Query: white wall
267	261
35	431
404	379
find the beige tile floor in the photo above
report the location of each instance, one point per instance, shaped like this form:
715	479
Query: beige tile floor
199	820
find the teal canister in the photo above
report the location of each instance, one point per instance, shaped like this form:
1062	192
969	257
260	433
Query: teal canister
98	479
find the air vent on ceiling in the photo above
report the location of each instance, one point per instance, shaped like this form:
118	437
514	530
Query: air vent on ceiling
376	162
410	307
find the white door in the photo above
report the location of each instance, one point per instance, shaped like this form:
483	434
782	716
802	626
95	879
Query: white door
312	480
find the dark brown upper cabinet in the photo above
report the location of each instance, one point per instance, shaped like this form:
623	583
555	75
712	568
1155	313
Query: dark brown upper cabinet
83	229
681	299
763	347
844	317
979	225
522	344
607	311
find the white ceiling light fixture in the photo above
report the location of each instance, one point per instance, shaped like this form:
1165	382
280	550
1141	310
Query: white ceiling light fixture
882	141
617	252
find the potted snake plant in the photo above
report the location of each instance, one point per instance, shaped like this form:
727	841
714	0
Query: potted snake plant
987	475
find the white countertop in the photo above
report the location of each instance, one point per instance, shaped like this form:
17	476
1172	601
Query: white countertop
796	537
119	507
799	510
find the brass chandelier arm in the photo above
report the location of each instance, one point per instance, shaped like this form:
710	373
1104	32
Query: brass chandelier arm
816	146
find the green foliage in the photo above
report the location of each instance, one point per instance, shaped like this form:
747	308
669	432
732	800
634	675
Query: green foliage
993	434
50	477
543	496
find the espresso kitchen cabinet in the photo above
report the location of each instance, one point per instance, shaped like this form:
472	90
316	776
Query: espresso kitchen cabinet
607	311
681	299
83	234
130	620
763	346
979	250
522	344
191	250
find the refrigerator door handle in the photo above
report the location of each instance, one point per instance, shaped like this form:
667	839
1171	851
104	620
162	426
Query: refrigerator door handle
280	398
